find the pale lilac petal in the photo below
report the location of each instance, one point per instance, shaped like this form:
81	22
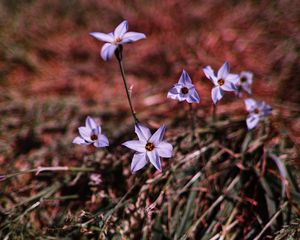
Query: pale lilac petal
164	149
154	159
267	110
216	94
135	145
184	78
250	104
173	93
193	96
228	86
80	141
252	121
139	160
85	133
143	132
158	135
182	97
90	123
234	78
223	71
247	88
103	37
132	37
102	141
107	51
209	72
121	29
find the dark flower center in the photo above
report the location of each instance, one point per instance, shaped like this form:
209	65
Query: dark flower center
256	111
184	90
243	79
149	146
221	82
94	137
118	40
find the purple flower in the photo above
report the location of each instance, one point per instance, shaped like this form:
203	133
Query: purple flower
223	81
244	83
91	134
257	110
148	147
120	36
184	90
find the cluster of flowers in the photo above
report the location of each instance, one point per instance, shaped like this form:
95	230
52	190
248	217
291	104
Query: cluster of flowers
150	147
223	81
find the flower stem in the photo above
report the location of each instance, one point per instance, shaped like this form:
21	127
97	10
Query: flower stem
214	115
192	115
119	58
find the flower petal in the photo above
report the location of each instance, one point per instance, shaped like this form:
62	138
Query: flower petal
250	104
224	70
154	159
80	141
184	78
164	149
121	29
209	72
193	96
252	121
143	132
229	86
85	133
132	37
102	141
103	37
234	78
90	123
139	160
135	145
107	51
157	137
216	94
247	88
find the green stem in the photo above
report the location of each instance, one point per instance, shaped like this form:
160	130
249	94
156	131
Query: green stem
214	113
127	91
192	118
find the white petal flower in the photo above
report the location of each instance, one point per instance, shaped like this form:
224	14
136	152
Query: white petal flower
149	147
257	110
244	83
91	134
223	81
116	38
184	90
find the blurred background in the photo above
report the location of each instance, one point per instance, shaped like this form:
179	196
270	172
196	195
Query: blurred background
46	49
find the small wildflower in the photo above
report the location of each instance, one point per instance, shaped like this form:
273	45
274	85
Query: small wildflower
148	147
257	110
91	134
95	179
2	178
115	39
244	83
223	81
184	90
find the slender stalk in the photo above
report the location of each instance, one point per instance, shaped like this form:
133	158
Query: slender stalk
119	58
192	114
214	114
